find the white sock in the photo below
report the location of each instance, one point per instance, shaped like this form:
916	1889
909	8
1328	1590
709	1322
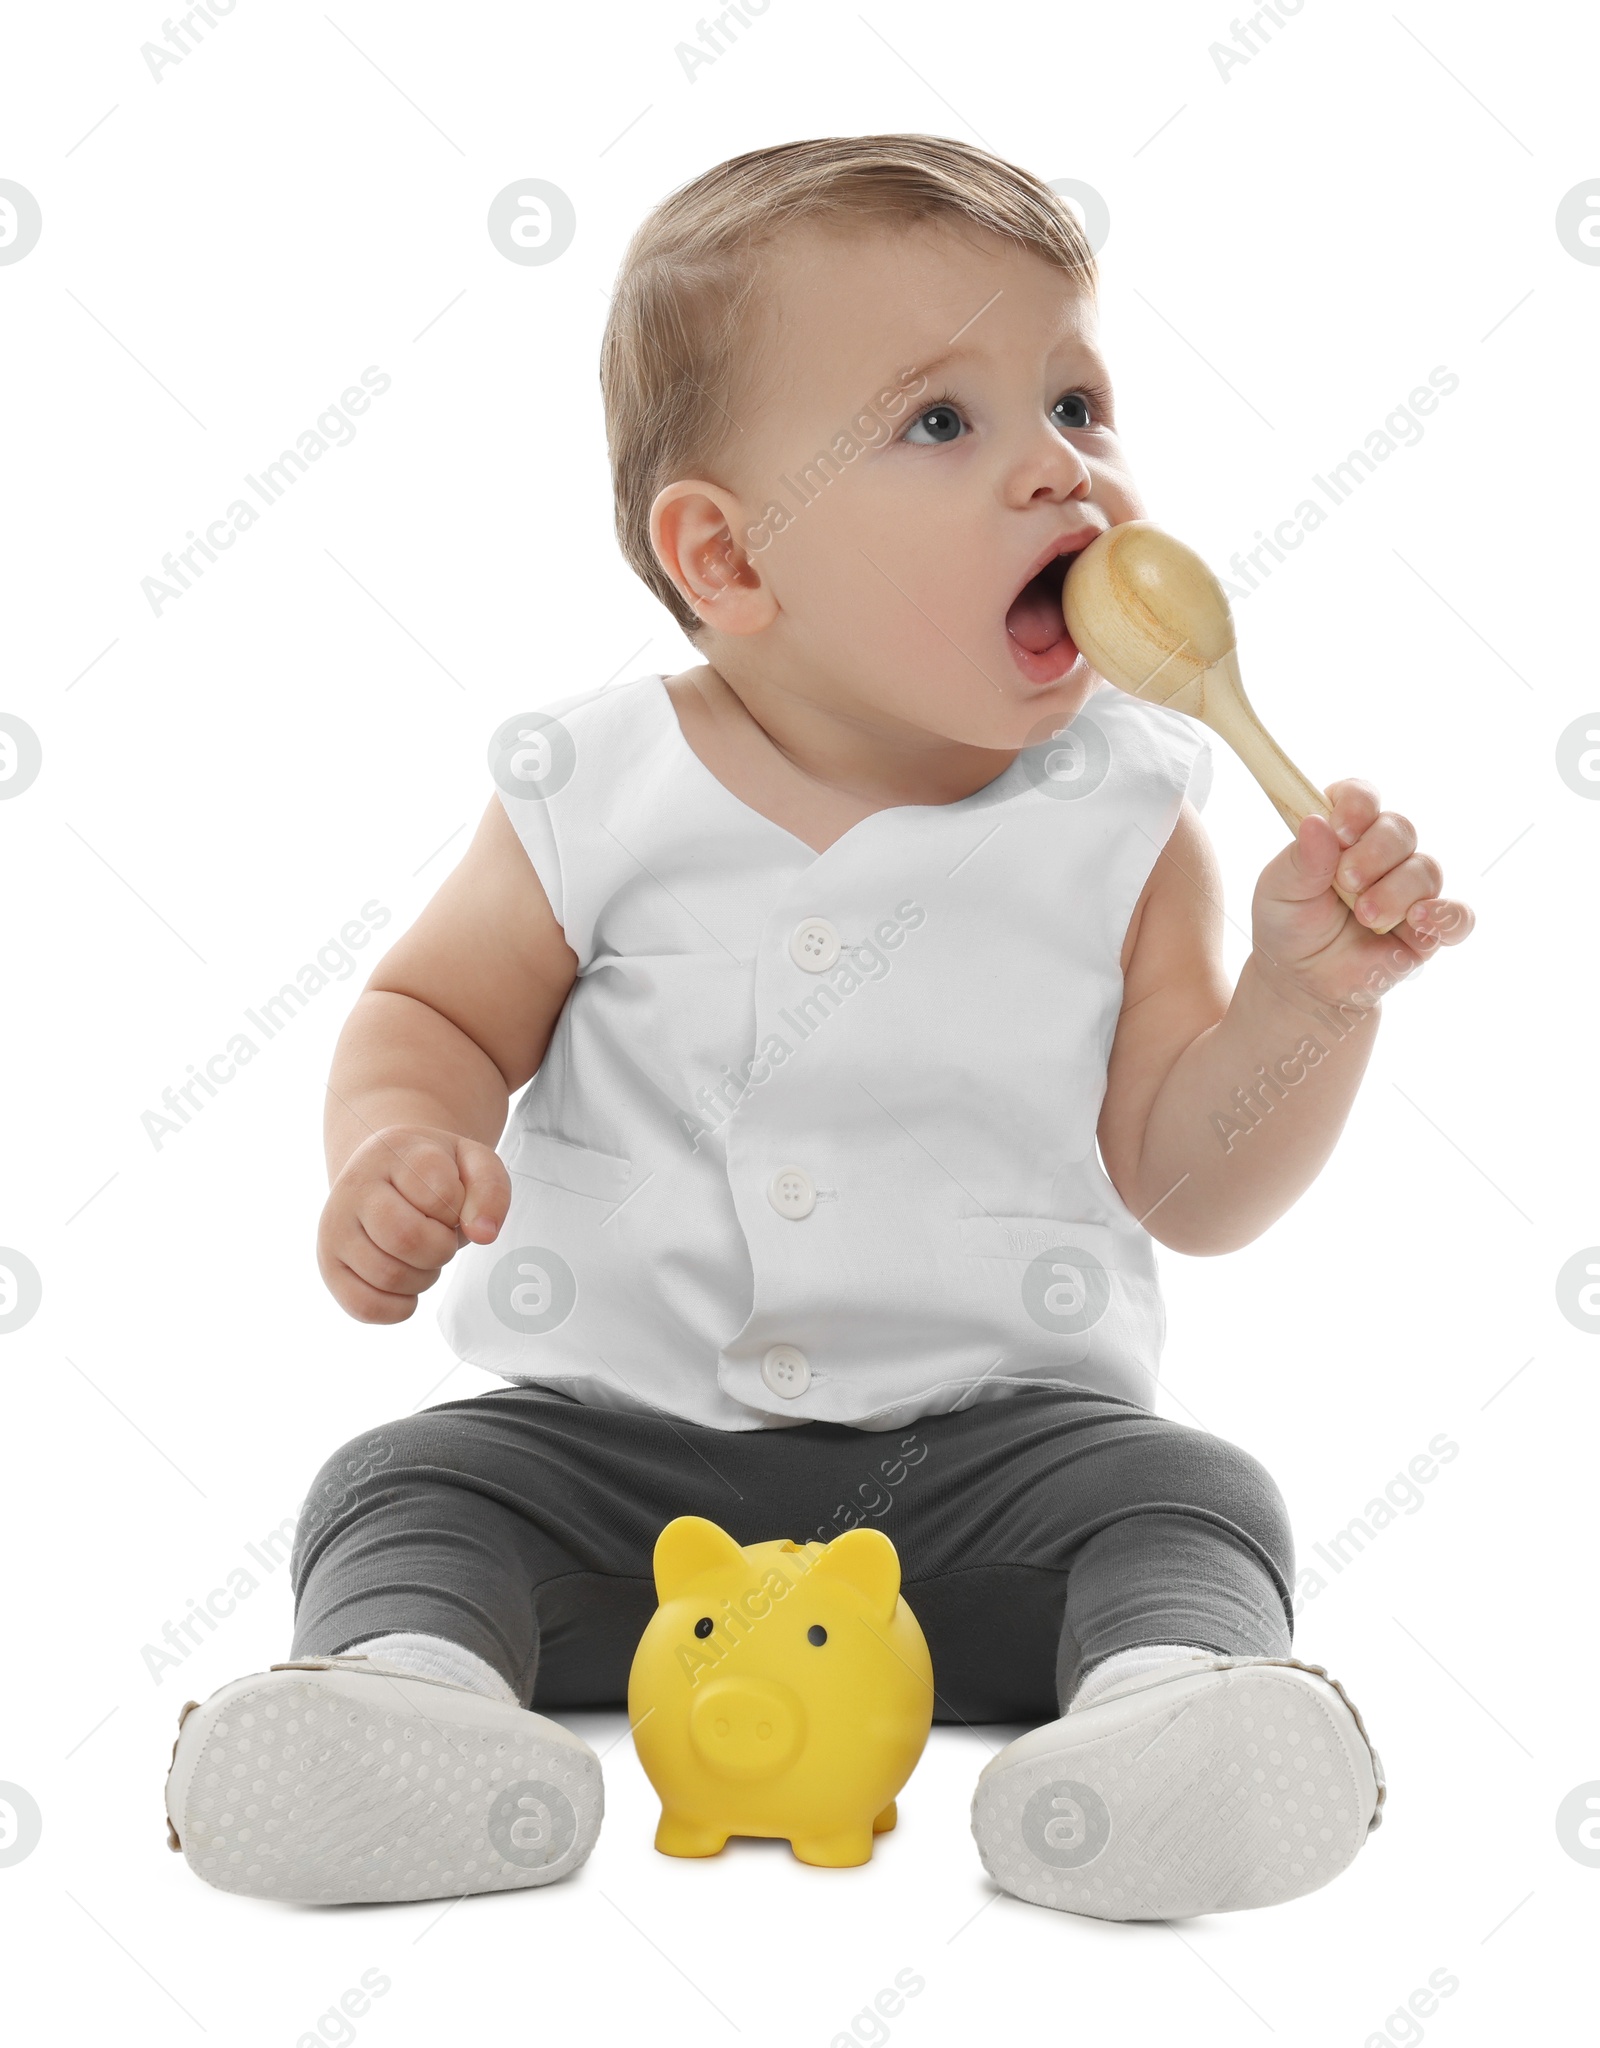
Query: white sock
1133	1663
434	1657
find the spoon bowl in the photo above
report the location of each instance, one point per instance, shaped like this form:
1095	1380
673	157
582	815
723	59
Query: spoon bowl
1148	615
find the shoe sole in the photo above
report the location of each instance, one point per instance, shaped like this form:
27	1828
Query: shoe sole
337	1786
1234	1788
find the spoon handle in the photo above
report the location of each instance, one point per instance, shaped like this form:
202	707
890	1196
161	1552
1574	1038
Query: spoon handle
1228	712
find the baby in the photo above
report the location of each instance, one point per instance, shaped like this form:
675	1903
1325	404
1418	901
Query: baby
830	961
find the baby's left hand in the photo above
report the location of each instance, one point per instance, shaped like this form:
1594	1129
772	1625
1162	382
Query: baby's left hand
1304	933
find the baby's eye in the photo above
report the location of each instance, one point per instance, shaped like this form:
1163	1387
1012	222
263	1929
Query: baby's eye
946	425
937	425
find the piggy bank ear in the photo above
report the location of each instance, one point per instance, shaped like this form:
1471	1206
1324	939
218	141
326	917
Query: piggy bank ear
866	1560
686	1548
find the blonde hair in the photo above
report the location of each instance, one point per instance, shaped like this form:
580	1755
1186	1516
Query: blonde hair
671	355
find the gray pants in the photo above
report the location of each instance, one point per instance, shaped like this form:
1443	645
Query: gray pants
1037	1534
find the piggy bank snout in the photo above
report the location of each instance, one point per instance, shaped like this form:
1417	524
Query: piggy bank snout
746	1727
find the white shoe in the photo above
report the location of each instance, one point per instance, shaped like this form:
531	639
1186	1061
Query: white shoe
340	1779
1242	1781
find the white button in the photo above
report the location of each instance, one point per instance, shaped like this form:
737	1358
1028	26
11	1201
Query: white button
786	1370
814	944
790	1192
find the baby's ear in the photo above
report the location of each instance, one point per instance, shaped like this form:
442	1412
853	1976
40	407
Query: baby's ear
688	1547
865	1559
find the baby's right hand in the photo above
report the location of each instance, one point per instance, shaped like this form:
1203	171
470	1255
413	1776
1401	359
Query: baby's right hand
408	1199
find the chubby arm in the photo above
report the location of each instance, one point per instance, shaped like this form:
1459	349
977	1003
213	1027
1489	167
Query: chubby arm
1203	1171
457	1014
454	1018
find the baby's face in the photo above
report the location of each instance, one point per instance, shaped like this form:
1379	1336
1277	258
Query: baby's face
888	594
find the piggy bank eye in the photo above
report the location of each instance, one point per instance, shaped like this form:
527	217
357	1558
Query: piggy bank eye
703	1626
816	1633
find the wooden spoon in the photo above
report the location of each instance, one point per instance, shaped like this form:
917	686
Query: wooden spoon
1148	615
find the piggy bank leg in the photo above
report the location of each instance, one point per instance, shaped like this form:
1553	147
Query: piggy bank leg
849	1845
885	1820
676	1836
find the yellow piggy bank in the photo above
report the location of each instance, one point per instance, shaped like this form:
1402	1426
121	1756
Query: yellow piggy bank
781	1689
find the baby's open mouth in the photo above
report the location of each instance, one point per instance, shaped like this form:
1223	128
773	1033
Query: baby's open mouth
1035	619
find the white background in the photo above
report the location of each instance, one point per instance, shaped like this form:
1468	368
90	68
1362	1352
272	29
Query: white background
224	786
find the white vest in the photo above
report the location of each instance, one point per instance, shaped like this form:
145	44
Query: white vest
814	1139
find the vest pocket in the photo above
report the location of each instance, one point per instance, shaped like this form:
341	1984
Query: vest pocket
1057	1276
1025	1237
541	1156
